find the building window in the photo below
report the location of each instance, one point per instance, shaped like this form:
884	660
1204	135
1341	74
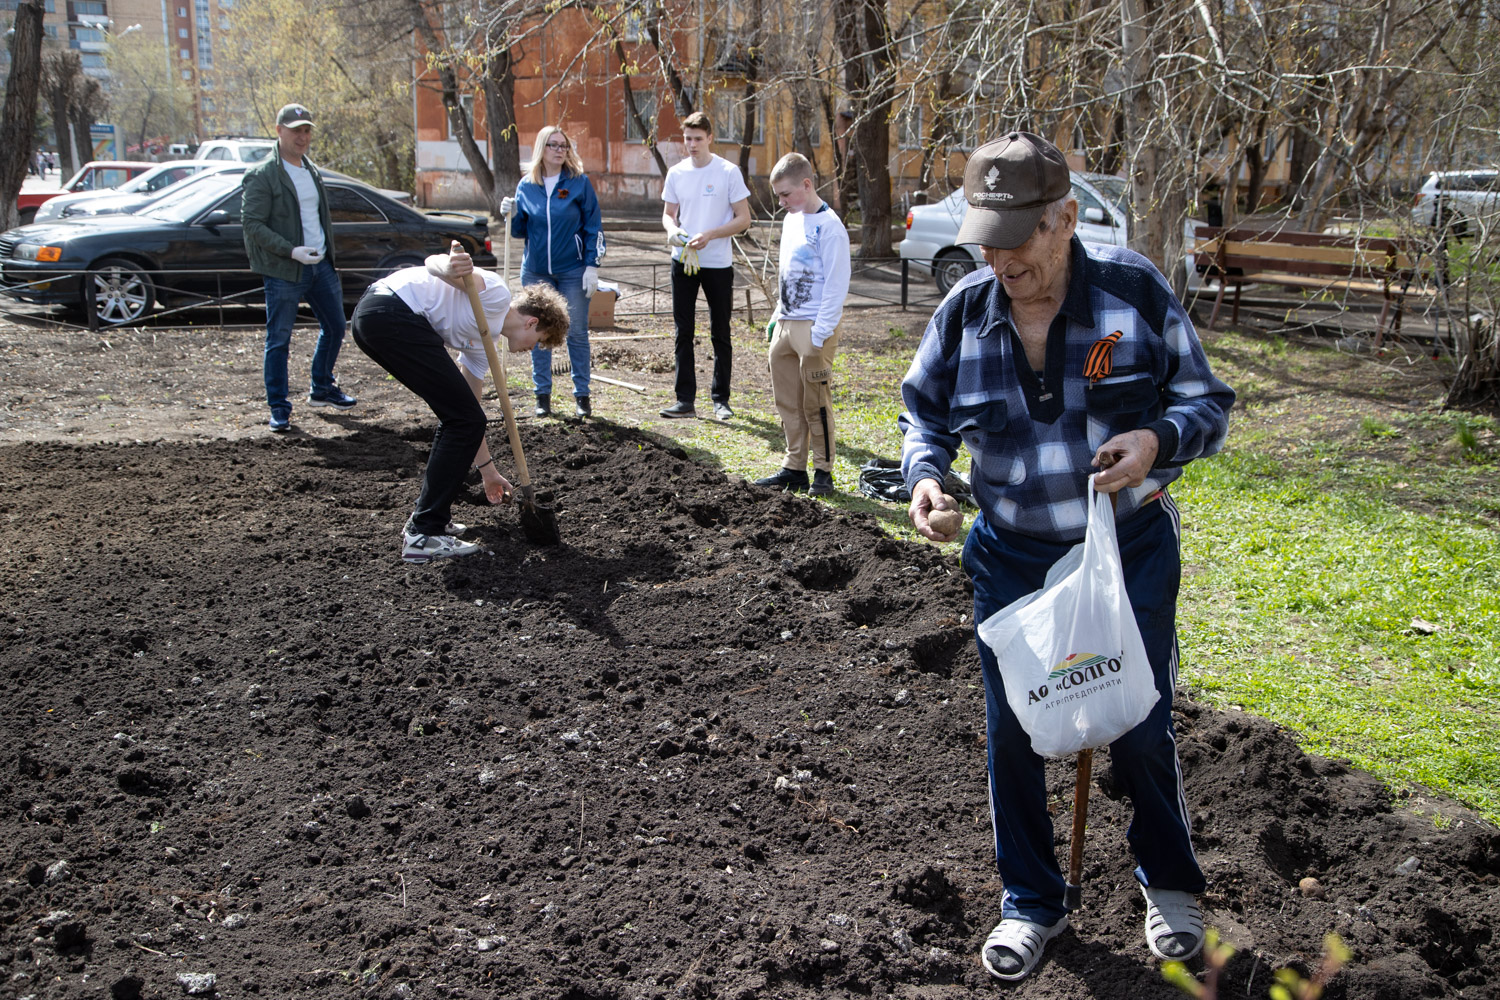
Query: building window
187	74
88	35
645	102
83	8
909	127
182	12
92	60
465	101
208	104
729	117
183	54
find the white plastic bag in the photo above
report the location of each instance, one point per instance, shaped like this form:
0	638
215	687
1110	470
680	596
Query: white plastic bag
1075	668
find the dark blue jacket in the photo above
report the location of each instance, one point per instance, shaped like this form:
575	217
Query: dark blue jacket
563	233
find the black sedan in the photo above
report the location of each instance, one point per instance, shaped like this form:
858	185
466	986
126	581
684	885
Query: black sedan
189	248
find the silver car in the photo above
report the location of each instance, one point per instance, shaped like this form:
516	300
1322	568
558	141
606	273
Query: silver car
125	198
1455	199
1103	217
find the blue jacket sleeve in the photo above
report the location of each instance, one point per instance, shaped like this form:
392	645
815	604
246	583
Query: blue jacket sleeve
928	447
592	225
518	217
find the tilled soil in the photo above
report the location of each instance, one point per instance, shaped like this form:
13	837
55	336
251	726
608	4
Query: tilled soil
721	743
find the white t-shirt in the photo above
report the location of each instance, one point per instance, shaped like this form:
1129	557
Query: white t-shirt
705	198
307	200
449	312
814	270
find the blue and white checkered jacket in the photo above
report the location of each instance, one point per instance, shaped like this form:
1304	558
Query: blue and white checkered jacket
1031	440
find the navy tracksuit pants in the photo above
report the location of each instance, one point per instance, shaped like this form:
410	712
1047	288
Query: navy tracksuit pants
1006	566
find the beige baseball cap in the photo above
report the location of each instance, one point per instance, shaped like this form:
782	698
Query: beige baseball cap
1008	183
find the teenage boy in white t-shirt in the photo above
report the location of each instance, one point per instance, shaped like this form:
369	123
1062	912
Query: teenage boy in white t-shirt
706	202
814	281
408	322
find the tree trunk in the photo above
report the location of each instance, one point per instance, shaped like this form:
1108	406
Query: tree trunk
60	73
19	117
863	34
1158	198
500	119
647	129
747	132
89	105
803	109
681	98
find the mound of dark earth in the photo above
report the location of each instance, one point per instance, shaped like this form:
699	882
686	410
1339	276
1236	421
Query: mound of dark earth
722	743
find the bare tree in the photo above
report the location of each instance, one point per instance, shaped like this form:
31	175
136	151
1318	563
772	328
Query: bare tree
62	73
18	124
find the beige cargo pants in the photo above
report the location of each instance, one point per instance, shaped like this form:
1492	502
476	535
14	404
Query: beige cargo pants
799	381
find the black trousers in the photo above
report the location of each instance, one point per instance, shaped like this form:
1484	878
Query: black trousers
718	290
406	345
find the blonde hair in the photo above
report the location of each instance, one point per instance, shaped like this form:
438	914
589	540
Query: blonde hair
572	165
792	167
550	309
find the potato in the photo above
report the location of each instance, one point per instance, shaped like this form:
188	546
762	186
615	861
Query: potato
946	522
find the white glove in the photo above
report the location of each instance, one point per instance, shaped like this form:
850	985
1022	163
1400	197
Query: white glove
590	281
306	255
507	206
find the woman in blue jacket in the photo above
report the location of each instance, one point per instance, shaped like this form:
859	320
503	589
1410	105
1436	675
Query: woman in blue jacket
556	212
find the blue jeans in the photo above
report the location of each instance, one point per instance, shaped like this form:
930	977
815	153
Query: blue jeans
1006	566
321	289
570	284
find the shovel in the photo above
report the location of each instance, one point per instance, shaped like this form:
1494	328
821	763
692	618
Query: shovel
539	523
1073	892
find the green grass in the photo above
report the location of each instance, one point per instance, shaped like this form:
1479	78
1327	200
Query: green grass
1346	508
866	401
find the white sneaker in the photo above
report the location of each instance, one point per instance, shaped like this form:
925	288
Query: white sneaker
421	549
455	529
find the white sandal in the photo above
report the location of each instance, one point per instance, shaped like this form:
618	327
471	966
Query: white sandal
1024	940
1174	924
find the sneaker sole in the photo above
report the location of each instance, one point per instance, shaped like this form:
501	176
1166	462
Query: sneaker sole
827	492
424	560
329	402
681	416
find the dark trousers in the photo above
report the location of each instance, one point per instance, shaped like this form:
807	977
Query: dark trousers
718	290
405	344
1006	566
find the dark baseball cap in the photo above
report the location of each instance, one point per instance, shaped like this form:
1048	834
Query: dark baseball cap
293	115
1008	183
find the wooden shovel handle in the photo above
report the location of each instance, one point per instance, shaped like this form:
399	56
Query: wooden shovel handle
497	372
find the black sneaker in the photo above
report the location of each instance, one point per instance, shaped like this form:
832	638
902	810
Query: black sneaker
582	407
679	409
822	483
544	404
334	397
787	480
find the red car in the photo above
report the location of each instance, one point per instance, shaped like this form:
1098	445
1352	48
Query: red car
96	175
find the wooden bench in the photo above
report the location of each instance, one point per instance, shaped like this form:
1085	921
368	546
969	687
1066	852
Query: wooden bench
1379	266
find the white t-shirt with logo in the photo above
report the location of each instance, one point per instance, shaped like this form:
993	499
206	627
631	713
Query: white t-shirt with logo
307	201
705	198
449	312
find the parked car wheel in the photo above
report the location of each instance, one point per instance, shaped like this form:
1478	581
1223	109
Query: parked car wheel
123	293
950	267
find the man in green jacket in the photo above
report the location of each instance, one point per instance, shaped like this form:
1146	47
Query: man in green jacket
289	237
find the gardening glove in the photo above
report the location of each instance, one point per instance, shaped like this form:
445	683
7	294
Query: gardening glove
590	281
507	206
770	331
306	255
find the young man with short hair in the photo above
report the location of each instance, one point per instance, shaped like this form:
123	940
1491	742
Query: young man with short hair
814	281
407	323
706	203
288	235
